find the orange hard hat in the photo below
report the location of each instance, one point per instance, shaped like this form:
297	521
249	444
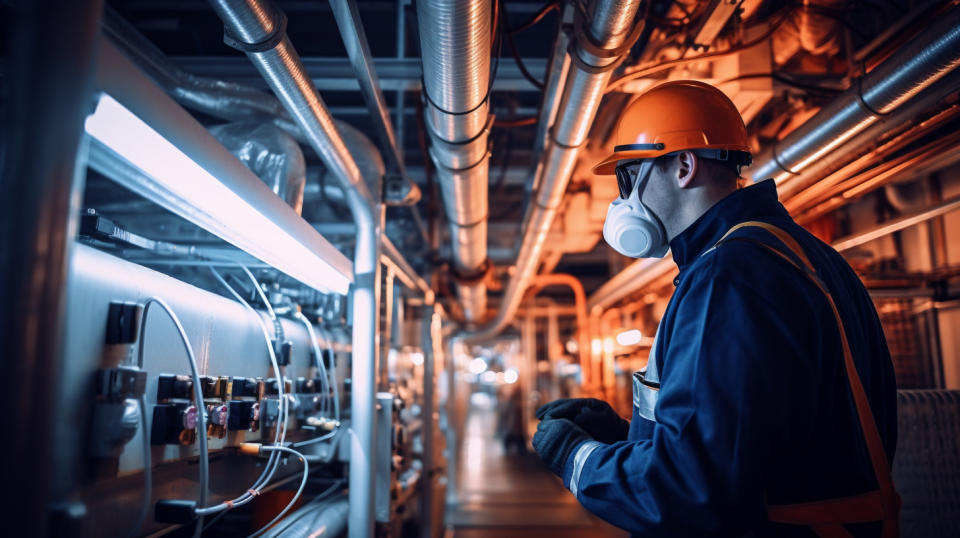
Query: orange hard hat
675	116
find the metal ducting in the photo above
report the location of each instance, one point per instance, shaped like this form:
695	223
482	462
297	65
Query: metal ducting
257	28
927	58
455	37
271	154
227	100
610	22
913	79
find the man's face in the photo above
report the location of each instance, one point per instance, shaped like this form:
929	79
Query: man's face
655	193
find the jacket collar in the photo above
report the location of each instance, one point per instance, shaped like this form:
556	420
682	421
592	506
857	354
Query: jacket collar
756	202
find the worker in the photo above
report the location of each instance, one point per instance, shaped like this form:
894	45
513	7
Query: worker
768	404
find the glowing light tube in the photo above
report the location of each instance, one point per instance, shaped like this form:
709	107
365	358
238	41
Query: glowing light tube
177	182
630	337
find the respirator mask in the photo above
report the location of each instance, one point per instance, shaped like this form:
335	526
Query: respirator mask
631	228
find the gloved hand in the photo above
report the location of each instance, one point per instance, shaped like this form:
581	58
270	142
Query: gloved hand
555	441
596	417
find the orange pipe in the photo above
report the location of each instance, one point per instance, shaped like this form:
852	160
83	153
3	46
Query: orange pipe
583	322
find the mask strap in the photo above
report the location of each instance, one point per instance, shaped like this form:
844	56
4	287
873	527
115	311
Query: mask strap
642	175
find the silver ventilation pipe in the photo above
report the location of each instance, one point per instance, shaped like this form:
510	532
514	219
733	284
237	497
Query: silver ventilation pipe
927	58
221	99
608	25
259	29
455	37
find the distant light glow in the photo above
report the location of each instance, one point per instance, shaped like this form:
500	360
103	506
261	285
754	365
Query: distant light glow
572	346
477	366
488	377
511	376
608	345
631	337
211	204
416	358
596	346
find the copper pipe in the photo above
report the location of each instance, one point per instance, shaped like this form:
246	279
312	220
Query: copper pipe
824	188
863	183
580	302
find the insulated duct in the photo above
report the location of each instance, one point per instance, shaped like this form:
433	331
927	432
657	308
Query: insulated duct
912	80
220	99
271	154
927	58
257	28
608	24
455	37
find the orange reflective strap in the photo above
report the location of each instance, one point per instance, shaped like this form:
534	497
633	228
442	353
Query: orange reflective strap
827	517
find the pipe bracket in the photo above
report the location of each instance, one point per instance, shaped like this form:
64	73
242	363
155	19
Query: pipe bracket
472	277
270	43
863	102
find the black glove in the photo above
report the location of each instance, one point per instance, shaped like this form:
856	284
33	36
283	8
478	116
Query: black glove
555	441
595	416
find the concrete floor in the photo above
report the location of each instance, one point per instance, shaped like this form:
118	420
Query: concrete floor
512	495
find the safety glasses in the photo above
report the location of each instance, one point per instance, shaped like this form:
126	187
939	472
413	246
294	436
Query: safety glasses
627	180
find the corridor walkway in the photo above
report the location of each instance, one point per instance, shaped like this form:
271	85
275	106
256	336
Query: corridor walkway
511	495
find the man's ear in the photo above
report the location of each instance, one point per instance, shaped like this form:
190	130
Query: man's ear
687	164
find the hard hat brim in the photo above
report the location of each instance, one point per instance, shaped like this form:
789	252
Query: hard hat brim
607	166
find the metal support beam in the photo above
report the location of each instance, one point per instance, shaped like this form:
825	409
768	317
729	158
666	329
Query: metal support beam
358	50
336	74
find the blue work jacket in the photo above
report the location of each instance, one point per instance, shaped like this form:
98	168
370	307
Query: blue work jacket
753	405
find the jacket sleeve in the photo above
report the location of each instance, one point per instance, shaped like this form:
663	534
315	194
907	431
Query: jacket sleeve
702	472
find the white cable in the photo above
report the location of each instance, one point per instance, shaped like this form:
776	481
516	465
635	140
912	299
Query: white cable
197	394
296	496
280	435
323	437
328	336
316	351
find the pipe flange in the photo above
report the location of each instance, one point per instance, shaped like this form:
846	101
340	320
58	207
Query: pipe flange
863	102
586	41
477	222
270	43
435	160
426	95
472	277
776	159
484	131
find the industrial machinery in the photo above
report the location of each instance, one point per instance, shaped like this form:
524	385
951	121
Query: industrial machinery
261	256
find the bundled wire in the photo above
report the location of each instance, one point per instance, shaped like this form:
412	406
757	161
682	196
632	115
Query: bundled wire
273	461
296	496
320	363
333	371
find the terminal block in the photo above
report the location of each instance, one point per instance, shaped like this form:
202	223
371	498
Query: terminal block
174	387
247	387
272	386
174	424
215	387
242	415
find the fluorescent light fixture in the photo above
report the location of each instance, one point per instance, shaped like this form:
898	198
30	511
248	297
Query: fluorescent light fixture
177	181
630	338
